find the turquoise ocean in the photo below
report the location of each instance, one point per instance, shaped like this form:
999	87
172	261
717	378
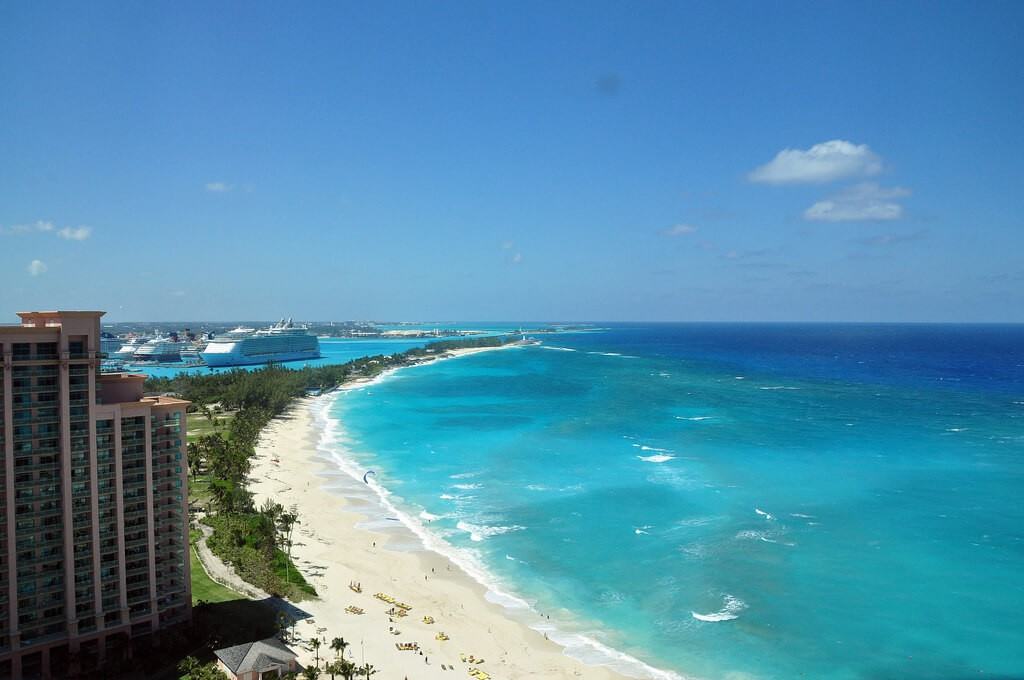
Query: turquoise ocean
724	501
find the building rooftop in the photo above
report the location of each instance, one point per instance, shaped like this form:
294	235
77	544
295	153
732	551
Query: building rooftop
255	656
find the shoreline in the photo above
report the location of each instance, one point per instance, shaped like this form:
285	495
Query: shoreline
295	465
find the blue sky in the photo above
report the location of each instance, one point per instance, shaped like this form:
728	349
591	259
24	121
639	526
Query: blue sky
606	161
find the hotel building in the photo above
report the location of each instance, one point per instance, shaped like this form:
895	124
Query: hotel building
93	502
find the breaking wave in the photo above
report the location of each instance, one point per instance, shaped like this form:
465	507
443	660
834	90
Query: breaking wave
732	606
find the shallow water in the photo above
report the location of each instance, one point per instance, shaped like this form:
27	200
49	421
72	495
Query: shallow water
731	500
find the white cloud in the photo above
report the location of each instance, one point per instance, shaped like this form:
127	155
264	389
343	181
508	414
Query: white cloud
75	234
39	225
825	162
517	258
859	203
679	230
218	187
37	267
507	245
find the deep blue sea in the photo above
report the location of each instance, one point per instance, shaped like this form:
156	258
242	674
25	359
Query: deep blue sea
729	501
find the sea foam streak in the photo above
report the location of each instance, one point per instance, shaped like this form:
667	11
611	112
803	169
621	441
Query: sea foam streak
558	349
730	610
478	532
657	458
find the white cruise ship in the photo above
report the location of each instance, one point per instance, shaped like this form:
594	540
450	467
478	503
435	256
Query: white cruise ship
164	350
128	349
283	341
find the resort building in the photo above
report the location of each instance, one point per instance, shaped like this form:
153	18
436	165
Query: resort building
93	491
264	660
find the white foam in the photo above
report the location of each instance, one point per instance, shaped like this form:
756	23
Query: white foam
613	354
466	487
428	516
732	606
778	387
741	377
801	515
653	448
590	651
657	458
559	349
464	475
694	418
641	531
750	535
695	521
447	497
956	429
766	515
479	532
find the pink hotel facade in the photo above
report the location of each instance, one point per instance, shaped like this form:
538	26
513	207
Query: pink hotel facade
93	502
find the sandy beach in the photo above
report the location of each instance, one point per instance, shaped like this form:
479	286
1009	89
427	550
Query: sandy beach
333	551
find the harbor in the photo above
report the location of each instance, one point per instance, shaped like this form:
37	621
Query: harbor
124	344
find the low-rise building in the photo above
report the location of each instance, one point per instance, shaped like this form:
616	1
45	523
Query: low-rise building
262	660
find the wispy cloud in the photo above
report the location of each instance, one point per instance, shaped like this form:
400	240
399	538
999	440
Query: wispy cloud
865	202
218	187
37	267
75	234
679	230
513	258
744	254
37	226
826	162
893	239
45	227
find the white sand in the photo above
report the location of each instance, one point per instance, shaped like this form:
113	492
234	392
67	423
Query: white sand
290	470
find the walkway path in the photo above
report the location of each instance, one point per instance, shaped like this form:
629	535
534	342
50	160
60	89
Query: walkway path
221	573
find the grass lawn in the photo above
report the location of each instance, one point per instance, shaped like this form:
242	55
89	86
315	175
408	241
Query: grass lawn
199	425
206	589
199	490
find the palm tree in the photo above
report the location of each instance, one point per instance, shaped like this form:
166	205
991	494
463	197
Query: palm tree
338	644
315	642
286	522
195	457
367	670
333	668
348	669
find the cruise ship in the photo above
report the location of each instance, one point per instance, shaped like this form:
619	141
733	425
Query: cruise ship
128	349
284	341
164	350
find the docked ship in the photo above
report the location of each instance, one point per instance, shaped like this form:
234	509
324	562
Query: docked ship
128	349
163	350
284	341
